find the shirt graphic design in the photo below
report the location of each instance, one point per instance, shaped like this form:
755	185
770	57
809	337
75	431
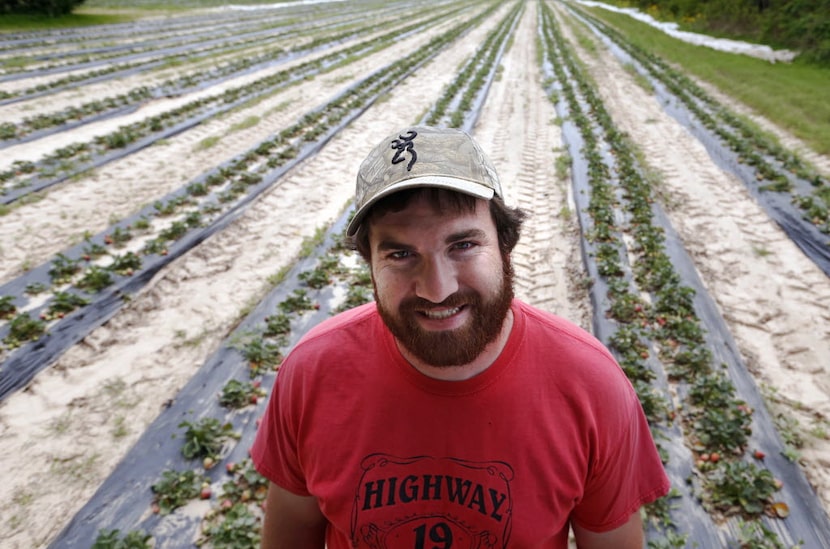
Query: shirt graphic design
426	502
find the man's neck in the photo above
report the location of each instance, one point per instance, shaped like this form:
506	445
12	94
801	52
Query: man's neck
465	371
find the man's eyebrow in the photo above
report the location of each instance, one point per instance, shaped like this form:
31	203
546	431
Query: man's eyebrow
386	245
476	234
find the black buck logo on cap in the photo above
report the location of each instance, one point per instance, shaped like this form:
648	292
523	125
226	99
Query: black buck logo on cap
405	144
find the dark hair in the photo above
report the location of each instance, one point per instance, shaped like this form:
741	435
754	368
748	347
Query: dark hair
508	220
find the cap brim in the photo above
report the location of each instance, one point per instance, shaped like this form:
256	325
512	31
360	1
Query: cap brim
438	181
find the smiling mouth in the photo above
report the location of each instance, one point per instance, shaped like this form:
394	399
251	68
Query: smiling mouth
442	314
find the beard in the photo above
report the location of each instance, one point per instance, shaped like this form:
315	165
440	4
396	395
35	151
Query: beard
452	347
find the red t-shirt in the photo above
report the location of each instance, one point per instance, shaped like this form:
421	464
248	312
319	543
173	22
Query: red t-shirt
551	432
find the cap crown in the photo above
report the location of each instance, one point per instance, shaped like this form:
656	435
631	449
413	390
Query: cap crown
423	156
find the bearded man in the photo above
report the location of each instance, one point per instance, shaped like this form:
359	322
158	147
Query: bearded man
447	413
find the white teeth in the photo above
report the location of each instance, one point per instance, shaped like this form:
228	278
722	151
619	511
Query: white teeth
439	315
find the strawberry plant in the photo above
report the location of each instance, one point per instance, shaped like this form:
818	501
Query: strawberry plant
23	328
118	139
206	437
755	535
125	264
278	324
724	429
193	219
738	486
316	278
34	288
62	269
175	488
111	539
247	484
95	279
7	307
236	528
62	303
93	250
237	394
175	231
164	209
141	224
8	131
197	189
261	355
154	246
119	236
296	302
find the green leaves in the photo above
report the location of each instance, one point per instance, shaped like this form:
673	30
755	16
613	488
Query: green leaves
175	488
206	437
741	486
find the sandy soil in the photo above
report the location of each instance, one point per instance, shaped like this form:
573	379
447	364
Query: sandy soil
71	426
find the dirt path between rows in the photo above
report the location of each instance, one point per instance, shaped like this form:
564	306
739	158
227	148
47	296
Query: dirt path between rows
63	435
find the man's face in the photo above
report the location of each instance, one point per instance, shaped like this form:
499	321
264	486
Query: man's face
441	284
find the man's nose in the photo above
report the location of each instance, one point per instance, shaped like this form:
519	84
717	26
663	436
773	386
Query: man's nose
436	281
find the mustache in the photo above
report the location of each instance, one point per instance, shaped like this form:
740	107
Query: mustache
415	303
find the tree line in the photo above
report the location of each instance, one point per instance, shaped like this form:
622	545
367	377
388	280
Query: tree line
801	25
51	8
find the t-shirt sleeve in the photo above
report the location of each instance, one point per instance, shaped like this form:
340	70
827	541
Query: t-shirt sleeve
275	450
625	473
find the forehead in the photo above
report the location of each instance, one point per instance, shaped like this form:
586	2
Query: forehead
423	219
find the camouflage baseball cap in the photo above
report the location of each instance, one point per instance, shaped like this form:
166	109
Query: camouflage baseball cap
423	156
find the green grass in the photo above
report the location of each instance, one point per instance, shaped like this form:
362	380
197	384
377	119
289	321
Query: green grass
249	122
17	23
207	143
791	95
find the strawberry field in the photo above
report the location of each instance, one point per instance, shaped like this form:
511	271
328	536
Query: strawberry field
173	193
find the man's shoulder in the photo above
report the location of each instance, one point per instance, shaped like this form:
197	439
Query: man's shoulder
544	325
576	364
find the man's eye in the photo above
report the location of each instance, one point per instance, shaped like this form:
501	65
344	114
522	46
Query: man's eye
402	254
463	245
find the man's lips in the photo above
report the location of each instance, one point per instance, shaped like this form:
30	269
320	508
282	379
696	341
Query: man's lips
441	314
